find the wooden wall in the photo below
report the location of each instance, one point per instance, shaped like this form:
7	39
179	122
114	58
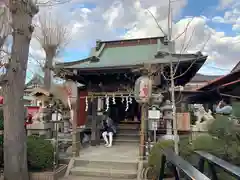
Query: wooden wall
82	114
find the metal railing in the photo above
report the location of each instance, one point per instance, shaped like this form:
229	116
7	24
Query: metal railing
177	165
213	161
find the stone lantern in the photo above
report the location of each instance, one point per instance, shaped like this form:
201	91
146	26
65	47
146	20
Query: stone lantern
157	98
168	117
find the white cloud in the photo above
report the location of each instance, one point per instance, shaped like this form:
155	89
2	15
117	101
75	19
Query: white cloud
226	3
222	49
88	24
218	19
231	16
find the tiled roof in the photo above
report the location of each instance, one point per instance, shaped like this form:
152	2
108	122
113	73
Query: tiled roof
37	79
203	78
121	56
109	54
236	67
233	76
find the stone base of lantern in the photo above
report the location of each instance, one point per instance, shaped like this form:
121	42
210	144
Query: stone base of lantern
40	128
169	137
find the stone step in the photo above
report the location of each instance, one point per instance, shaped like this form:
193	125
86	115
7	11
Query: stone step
71	177
128	126
128	131
126	141
130	165
128	136
122	141
97	178
109	173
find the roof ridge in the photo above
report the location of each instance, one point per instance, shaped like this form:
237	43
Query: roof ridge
132	39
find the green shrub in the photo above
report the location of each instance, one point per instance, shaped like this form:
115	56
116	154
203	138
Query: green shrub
1	156
1	119
155	156
226	131
40	154
208	143
1	136
216	147
223	128
185	148
1	140
223	141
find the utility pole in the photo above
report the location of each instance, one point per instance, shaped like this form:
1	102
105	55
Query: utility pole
172	88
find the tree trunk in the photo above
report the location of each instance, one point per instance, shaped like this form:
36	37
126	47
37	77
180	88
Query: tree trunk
15	149
47	70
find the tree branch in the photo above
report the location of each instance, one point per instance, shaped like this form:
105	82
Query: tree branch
155	19
51	34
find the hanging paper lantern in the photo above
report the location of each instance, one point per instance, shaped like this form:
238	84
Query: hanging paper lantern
71	89
143	89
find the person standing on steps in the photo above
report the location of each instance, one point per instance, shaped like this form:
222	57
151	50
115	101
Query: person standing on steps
109	130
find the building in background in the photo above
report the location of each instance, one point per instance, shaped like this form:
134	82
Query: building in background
236	67
199	80
35	82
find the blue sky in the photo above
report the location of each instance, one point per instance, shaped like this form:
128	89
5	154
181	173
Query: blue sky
223	49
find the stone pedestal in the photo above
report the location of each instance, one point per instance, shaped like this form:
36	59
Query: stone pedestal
66	126
168	126
40	128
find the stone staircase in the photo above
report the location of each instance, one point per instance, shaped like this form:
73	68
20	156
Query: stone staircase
107	170
116	163
128	133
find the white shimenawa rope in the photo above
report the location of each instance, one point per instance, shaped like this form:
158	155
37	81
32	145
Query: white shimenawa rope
113	99
130	99
86	102
122	98
107	103
127	105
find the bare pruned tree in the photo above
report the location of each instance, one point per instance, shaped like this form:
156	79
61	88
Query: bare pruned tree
50	2
15	21
171	50
13	83
5	30
5	27
53	36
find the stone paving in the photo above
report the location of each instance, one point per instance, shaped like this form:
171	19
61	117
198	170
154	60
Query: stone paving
118	152
118	162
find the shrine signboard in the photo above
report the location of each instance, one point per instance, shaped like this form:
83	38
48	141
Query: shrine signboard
143	89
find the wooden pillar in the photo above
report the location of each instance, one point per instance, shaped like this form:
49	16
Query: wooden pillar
99	102
94	128
76	133
143	132
75	150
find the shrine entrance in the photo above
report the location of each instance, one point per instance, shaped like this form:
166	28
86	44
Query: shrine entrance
125	112
121	107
